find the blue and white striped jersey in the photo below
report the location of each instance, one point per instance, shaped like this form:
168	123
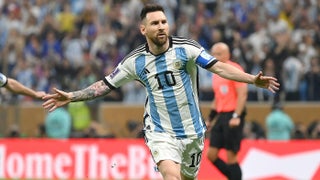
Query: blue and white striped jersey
3	80
171	82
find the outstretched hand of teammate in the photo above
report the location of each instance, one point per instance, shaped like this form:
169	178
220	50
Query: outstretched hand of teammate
58	99
40	94
266	82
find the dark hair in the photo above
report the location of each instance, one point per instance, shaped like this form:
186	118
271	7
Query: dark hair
150	8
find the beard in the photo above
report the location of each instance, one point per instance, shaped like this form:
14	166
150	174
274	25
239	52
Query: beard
159	41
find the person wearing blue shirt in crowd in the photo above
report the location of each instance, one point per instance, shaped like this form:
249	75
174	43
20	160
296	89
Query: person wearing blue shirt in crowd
58	124
279	124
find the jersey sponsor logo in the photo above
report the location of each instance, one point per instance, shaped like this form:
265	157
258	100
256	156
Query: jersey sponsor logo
114	73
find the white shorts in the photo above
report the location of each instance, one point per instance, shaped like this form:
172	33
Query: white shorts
187	152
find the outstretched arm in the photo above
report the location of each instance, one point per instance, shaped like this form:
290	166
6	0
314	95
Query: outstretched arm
61	98
18	88
229	72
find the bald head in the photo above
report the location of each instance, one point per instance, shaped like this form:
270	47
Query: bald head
220	51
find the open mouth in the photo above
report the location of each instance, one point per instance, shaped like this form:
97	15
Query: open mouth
161	35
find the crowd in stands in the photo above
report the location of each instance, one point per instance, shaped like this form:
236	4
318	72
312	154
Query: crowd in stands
70	44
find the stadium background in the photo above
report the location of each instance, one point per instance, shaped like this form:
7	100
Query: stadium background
70	44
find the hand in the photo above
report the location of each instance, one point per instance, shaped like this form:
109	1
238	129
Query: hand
266	82
210	124
58	99
40	94
234	122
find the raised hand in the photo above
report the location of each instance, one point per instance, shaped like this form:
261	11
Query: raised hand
58	99
266	82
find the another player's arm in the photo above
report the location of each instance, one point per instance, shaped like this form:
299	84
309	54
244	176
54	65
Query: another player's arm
18	88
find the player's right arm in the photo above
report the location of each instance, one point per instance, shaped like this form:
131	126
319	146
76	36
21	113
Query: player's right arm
122	74
61	98
16	87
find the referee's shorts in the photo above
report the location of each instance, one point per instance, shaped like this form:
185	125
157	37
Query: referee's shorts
224	136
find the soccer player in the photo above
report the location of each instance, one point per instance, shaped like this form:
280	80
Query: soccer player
229	104
18	88
167	67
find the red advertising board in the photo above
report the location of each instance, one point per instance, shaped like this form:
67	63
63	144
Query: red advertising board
130	159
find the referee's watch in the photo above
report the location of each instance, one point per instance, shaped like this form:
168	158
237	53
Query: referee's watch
235	115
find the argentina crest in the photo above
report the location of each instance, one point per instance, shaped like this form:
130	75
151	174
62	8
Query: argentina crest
177	64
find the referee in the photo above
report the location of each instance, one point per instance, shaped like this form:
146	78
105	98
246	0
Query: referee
228	112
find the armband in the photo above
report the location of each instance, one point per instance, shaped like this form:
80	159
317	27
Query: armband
212	114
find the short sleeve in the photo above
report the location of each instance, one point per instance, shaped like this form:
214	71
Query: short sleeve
122	74
3	80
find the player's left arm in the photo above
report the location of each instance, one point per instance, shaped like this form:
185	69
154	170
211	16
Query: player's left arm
230	72
205	60
227	71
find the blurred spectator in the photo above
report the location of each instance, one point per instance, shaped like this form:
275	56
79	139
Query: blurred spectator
81	118
313	129
58	124
65	74
315	133
74	48
279	125
24	74
52	48
135	129
88	23
292	73
49	25
14	131
300	131
33	49
253	130
97	130
66	19
100	49
31	26
41	131
312	79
